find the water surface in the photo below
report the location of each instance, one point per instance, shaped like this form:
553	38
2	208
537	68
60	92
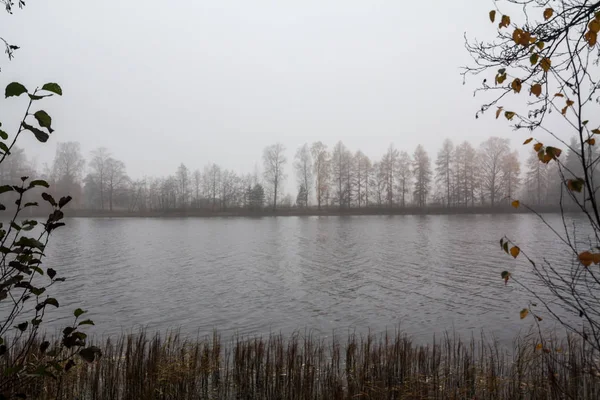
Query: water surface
424	274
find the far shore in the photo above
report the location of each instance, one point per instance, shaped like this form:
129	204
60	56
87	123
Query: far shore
310	212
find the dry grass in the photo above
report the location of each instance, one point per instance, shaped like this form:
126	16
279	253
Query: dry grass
303	367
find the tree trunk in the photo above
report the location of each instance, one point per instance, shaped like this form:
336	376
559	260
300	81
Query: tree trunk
319	199
101	192
275	194
448	183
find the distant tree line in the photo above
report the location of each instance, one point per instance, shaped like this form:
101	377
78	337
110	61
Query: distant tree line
461	176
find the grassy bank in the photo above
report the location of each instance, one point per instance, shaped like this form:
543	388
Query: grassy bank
304	367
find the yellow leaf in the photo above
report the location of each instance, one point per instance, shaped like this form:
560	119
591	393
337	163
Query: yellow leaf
521	37
492	15
553	151
528	140
586	258
538	146
596	258
559	95
515	204
540	45
591	141
500	78
514	251
545	64
539	346
516	85
594	26
524	39
591	37
524	312
517	35
548	13
509	115
536	89
498	111
504	21
596	131
569	104
547	158
533	59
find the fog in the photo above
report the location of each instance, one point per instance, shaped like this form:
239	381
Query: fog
161	83
307	199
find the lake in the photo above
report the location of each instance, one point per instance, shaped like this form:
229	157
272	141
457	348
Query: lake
252	276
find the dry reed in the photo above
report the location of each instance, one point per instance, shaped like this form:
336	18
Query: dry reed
389	366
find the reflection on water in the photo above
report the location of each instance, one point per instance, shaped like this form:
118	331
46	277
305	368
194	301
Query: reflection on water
425	274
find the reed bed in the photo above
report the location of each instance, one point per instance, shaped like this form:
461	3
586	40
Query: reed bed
387	366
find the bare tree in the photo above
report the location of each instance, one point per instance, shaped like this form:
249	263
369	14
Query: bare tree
511	171
245	181
67	170
491	157
168	193
116	179
362	171
389	164
443	169
378	183
183	181
98	173
304	173
349	175
321	169
464	157
554	54
136	195
68	162
468	178
230	189
340	168
153	194
197	182
302	197
404	176
422	173
274	161
536	180
211	182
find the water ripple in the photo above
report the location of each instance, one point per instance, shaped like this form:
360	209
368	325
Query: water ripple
255	276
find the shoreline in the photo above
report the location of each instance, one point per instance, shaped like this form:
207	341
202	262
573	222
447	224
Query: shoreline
295	212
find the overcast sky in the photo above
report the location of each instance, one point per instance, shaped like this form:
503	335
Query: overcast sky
160	83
